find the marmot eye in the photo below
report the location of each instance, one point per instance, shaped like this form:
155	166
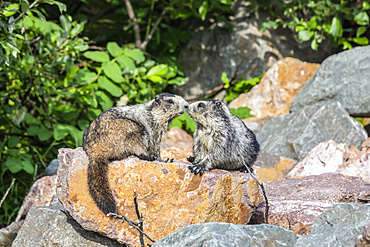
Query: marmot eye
170	101
201	105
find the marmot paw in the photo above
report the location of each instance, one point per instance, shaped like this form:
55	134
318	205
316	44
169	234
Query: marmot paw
190	159
168	160
198	169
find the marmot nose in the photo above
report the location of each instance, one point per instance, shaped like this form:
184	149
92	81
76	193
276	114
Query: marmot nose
186	106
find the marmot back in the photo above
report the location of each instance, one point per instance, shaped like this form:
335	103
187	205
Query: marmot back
123	131
221	139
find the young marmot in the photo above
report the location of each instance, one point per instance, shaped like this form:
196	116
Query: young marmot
123	131
221	140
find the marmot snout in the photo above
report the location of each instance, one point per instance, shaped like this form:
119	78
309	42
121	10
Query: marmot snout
221	139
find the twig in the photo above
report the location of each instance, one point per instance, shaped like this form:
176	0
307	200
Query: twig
150	36
140	218
263	192
7	192
132	17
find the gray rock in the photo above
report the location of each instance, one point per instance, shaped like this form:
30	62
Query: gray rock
225	234
52	168
8	234
337	226
244	52
50	226
295	135
343	77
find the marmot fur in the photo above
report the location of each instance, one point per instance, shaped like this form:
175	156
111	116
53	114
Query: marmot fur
221	140
123	131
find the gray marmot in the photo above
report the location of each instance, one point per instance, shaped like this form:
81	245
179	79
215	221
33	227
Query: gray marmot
123	131
221	140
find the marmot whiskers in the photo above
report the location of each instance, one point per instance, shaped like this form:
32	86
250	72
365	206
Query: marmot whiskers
123	131
221	140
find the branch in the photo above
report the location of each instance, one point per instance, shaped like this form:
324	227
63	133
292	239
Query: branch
150	36
7	192
132	17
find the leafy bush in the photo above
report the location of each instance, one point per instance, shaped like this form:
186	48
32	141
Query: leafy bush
344	22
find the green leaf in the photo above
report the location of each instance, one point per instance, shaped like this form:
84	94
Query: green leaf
60	131
13	141
360	31
158	70
361	40
178	81
305	35
314	44
62	7
126	62
104	100
25	6
106	84
33	130
203	9
14	165
45	134
336	28
114	49
99	56
27	166
113	71
362	18
135	54
225	80
155	78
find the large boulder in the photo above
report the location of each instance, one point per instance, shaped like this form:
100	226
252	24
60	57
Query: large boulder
51	226
245	52
294	135
335	157
338	226
343	77
277	89
224	235
169	196
295	203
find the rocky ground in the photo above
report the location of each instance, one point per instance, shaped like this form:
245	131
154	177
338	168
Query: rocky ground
314	164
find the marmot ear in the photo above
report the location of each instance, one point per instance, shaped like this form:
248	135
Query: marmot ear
218	104
156	98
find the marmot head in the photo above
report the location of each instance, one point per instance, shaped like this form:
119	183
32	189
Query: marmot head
166	107
207	113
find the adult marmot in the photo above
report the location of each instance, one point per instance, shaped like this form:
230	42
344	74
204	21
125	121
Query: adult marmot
221	140
123	131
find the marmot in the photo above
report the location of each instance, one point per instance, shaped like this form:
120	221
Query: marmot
221	140
123	131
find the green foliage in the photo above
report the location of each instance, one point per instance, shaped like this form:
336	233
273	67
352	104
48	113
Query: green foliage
184	122
241	112
344	22
242	86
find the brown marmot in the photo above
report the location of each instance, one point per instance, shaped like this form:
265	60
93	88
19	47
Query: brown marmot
221	139
123	131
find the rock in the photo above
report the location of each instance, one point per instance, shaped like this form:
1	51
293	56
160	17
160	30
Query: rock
52	168
42	193
333	157
295	203
343	77
244	51
169	196
338	226
295	135
50	226
255	124
8	234
277	89
359	165
178	152
176	135
363	240
269	167
226	234
324	158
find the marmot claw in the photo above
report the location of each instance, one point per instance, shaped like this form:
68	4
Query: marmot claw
198	169
190	159
168	160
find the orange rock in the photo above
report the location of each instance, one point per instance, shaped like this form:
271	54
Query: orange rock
277	89
276	173
178	152
169	196
176	135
